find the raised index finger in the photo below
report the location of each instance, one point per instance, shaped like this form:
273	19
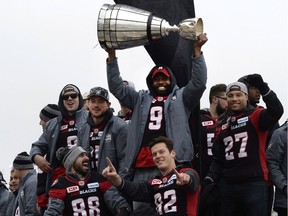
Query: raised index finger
110	164
176	172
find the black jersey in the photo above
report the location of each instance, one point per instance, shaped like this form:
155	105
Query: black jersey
96	133
168	198
204	150
82	197
155	127
155	124
239	147
67	137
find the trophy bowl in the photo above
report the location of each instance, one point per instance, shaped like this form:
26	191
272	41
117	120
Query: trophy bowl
191	28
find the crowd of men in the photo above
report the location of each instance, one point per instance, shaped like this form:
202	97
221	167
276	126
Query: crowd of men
145	161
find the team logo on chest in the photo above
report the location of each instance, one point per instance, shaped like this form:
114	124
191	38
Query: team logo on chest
72	122
167	181
108	138
81	183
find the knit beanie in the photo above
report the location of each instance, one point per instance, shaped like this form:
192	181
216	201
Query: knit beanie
49	112
68	156
23	162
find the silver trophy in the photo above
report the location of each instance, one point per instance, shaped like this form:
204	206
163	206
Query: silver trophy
121	26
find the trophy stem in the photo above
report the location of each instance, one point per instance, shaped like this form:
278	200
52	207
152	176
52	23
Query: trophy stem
166	28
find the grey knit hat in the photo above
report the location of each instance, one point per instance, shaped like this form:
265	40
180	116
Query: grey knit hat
237	86
68	156
49	112
23	161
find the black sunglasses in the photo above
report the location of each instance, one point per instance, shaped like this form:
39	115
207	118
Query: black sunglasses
66	97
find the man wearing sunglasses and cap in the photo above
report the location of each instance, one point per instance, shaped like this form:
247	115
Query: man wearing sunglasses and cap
163	110
59	132
239	158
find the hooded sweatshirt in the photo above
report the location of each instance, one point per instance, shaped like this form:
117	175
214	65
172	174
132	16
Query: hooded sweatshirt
47	143
178	106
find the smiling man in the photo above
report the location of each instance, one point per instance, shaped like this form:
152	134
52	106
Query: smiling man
173	193
59	132
162	110
239	158
81	192
104	135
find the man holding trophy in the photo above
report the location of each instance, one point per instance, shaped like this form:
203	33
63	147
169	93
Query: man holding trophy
163	109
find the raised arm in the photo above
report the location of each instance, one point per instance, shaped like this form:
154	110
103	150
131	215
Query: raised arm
270	116
194	89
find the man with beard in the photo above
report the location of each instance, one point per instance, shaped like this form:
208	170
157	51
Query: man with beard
203	151
208	120
59	132
80	192
105	135
163	110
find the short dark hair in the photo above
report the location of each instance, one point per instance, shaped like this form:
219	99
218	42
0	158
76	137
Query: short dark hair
162	139
215	90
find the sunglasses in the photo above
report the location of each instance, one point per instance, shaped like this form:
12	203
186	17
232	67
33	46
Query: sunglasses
66	97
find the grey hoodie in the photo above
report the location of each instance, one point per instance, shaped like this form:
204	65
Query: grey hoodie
46	144
277	164
25	201
178	106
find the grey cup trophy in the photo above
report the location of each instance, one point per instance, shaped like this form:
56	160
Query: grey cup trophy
121	26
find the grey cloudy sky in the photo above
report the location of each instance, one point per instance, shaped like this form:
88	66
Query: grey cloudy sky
45	44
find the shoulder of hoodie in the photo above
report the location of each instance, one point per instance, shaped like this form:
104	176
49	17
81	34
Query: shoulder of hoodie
118	122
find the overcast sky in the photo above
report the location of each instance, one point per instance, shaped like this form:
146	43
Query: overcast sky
46	44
